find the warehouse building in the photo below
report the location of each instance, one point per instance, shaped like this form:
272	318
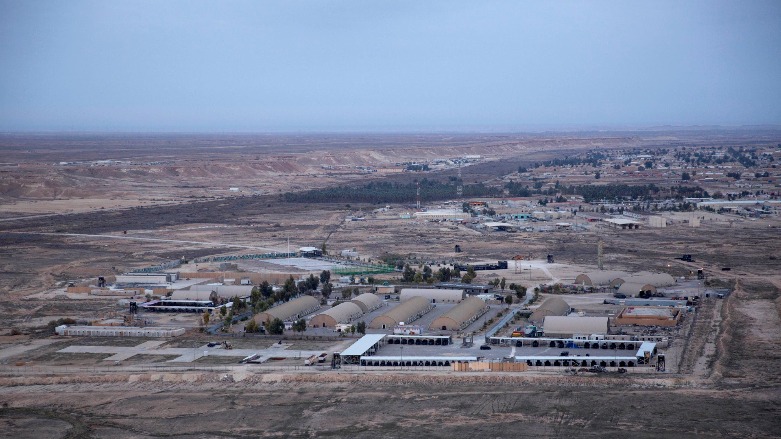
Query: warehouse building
293	310
135	279
203	292
439	295
648	316
573	327
345	312
603	278
407	311
118	331
470	289
368	302
552	306
461	315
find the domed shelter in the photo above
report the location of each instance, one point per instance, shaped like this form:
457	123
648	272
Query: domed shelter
434	295
632	289
655	279
552	306
601	278
345	312
292	310
407	312
461	315
367	302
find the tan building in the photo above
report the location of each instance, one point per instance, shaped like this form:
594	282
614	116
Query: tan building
434	295
343	313
603	278
552	306
292	310
460	316
367	302
406	312
568	327
648	316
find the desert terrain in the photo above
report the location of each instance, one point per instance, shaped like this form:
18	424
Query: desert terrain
73	208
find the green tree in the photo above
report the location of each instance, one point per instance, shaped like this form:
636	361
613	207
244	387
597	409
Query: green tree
597	175
685	176
275	327
347	293
502	283
327	289
418	278
251	326
361	327
299	325
223	311
508	299
520	291
266	290
408	275
205	318
325	277
255	296
290	285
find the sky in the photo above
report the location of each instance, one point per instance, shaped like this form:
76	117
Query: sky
334	66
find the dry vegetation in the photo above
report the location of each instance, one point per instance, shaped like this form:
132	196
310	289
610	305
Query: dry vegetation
728	387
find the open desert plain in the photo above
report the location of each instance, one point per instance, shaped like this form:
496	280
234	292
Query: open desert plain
81	211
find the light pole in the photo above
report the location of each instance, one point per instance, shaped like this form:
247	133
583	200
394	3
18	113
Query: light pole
401	363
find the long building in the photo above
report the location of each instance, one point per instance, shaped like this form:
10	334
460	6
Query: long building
552	306
406	312
368	302
439	295
461	315
566	327
292	310
118	331
345	312
601	278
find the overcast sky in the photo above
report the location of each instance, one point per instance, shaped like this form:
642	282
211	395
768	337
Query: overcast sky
386	65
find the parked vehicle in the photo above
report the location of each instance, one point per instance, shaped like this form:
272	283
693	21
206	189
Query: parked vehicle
485	347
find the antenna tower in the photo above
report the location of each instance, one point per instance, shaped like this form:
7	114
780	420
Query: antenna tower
418	195
460	187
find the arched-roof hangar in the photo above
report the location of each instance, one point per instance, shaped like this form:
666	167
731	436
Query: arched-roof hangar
552	306
294	309
367	302
461	315
433	295
342	313
407	312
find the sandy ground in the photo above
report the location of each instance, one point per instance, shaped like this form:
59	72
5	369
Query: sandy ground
722	379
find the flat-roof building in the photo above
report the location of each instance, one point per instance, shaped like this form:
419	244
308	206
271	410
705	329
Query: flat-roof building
471	289
567	327
648	316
